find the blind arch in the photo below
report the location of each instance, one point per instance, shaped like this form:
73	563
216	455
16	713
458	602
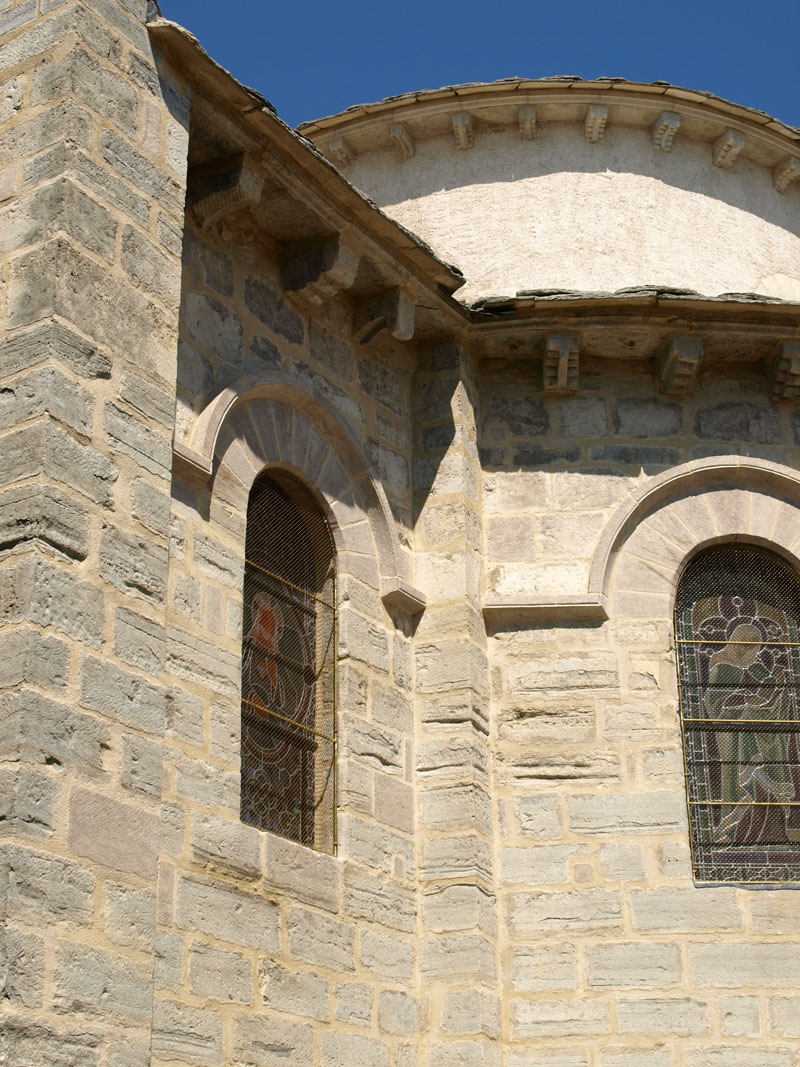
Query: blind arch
288	750
737	629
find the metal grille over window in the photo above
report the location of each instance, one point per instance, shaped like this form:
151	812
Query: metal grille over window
737	624
288	665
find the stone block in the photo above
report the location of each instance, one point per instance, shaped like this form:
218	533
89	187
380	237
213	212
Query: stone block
543	865
647	417
354	1003
352	1050
471	1012
149	268
774	912
142	762
270	1042
25	1042
216	265
38	730
520	416
226	845
648	456
374	845
317	939
539	816
26	655
295	992
445	808
127	434
218	975
622	863
751	1056
394	803
478	1053
43	515
148	399
219	561
459	957
584	416
49	889
306	875
167	961
270	308
384	901
379	382
126	698
558	1018
46	391
64	121
730	965
386	957
44	448
240	918
27	802
464	857
139	641
203	662
662	1016
569	536
640	813
41	592
633	965
21	967
739	1016
184	715
134	565
119	836
739	421
580	909
185	1034
130	916
598	671
544	968
684	910
94	982
511	538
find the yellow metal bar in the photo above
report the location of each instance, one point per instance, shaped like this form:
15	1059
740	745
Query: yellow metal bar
291	722
283	581
756	644
743	804
747	722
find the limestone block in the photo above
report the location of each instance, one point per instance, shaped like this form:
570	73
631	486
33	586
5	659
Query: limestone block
729	965
48	888
739	1016
203	662
458	907
27	802
461	857
481	1053
119	836
386	957
622	863
471	1012
663	1016
539	816
583	909
296	992
394	803
444	808
585	672
186	1034
239	918
130	916
224	976
648	1056
134	565
226	845
44	448
633	965
558	1018
398	1013
648	417
751	1056
126	434
536	1056
354	1003
38	730
511	538
544	968
167	961
375	747
351	1050
546	765
455	757
569	536
46	391
317	939
373	844
205	784
544	865
385	901
506	491
775	912
22	965
641	813
27	1042
462	956
103	984
304	874
685	910
733	420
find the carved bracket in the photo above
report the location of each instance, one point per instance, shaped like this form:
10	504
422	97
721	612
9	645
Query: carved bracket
341	152
527	122
391	310
561	363
664	129
678	364
785	372
462	130
595	124
726	148
785	173
320	270
228	186
403	139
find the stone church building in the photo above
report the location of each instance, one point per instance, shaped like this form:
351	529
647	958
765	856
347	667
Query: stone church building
399	568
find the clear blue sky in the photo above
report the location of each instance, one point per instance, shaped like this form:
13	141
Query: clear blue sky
312	59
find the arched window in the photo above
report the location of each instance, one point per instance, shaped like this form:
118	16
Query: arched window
288	764
737	626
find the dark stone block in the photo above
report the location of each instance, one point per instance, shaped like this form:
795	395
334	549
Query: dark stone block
734	420
271	309
524	416
535	456
640	455
636	417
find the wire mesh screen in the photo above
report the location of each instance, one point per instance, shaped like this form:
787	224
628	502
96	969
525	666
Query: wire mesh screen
737	619
288	666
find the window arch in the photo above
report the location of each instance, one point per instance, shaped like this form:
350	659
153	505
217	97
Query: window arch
288	752
737	628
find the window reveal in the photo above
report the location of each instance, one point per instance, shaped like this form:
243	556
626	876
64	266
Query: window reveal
737	622
288	760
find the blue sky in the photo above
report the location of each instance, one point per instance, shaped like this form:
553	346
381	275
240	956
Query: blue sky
312	59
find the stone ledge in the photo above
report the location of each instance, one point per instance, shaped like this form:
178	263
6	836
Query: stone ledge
499	611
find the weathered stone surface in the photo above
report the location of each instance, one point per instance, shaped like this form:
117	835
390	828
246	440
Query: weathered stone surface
128	698
264	1042
663	1016
44	448
316	939
354	1003
645	813
26	655
224	976
142	765
116	835
186	1034
633	965
386	957
584	909
27	802
541	968
556	1018
134	565
379	900
130	916
21	967
39	730
647	417
95	982
351	1050
685	909
733	420
295	992
732	964
227	846
23	1042
240	918
271	309
51	889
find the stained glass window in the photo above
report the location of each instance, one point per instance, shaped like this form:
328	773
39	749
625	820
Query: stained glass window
737	621
288	761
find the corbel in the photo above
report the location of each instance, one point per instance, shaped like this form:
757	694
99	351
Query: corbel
595	124
224	187
785	372
527	122
560	372
391	310
785	173
462	130
678	364
664	129
403	139
726	148
343	155
317	271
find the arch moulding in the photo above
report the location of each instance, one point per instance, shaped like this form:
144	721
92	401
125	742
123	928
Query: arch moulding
199	451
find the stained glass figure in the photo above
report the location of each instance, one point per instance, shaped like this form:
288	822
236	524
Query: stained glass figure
737	621
288	657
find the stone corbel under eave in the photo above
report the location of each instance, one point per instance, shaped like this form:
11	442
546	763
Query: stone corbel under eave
317	271
392	310
225	187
